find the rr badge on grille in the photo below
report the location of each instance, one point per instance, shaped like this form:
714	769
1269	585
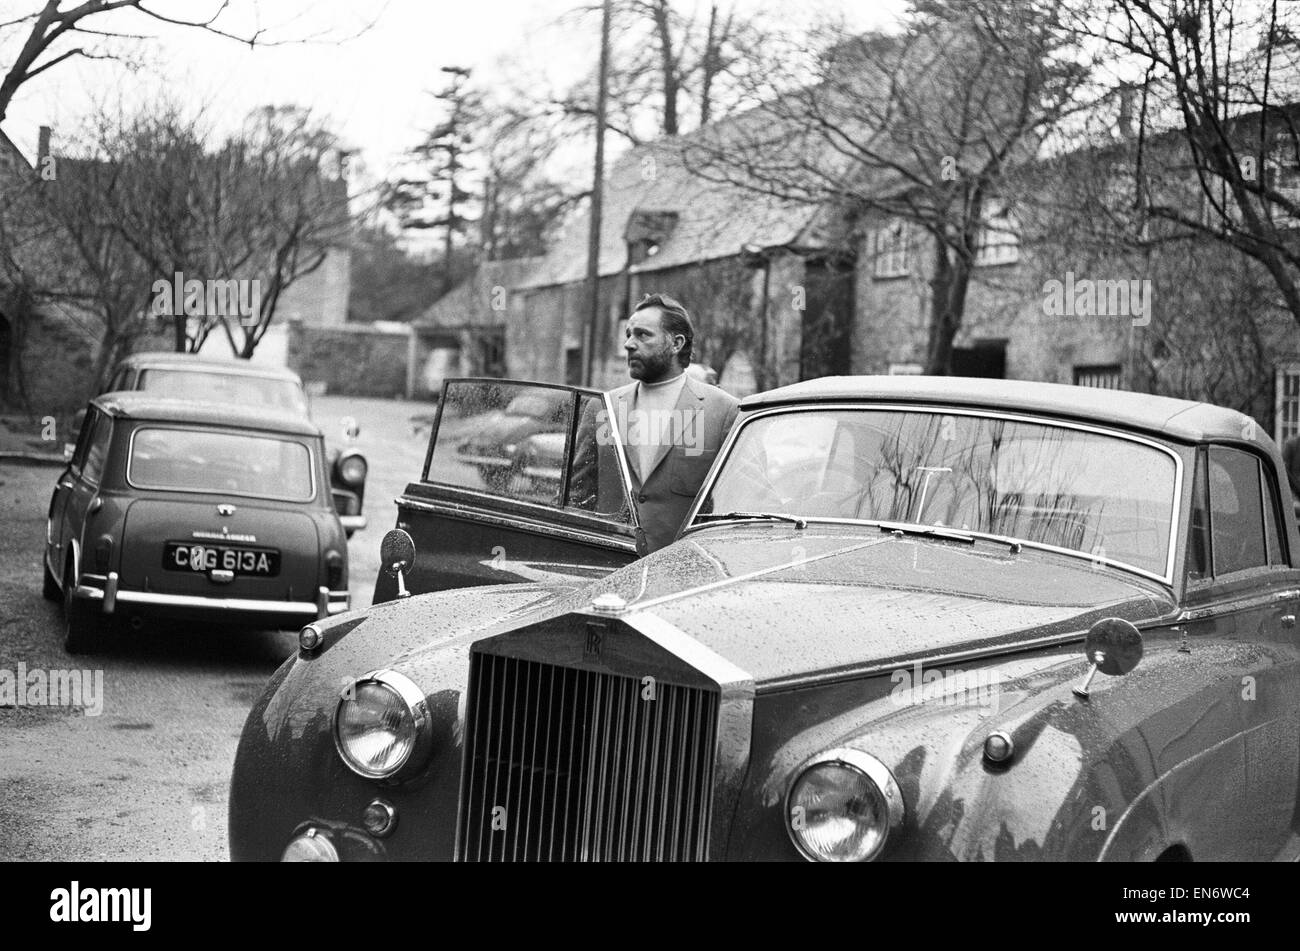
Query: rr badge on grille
595	639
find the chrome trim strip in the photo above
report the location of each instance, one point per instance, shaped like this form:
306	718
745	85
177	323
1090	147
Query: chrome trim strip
1231	605
842	674
452	510
306	441
305	608
735	723
620	453
939	409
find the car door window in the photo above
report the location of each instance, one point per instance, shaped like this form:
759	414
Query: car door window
1236	511
547	445
92	467
1273	531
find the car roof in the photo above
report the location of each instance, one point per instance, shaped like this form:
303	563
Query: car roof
136	404
1162	415
160	359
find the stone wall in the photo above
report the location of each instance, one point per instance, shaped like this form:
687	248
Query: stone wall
351	360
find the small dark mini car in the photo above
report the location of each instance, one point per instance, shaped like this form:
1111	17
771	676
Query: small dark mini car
907	618
185	510
188	376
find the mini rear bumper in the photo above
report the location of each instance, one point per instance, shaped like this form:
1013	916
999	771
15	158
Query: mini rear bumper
112	598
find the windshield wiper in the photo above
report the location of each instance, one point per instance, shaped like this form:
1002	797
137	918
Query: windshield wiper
929	531
773	516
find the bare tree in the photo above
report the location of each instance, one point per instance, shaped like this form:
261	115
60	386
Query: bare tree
54	32
922	129
1219	76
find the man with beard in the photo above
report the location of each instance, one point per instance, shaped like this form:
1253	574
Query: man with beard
671	424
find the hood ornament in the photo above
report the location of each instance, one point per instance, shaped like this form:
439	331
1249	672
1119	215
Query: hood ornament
608	603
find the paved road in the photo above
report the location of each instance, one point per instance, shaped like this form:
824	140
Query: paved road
148	777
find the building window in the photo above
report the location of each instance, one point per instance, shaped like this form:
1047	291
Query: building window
1102	377
1286	410
1282	175
891	249
999	238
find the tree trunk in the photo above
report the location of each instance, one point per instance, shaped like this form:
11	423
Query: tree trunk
948	289
668	66
710	66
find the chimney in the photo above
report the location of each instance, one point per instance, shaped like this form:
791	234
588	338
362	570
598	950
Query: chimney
43	145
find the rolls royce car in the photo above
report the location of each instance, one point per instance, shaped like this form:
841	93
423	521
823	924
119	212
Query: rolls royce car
193	511
238	383
906	618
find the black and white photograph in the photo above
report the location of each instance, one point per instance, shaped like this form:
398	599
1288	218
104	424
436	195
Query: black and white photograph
640	431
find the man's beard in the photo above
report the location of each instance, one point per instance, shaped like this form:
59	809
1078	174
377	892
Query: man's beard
652	368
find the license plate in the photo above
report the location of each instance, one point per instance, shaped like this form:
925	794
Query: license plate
187	556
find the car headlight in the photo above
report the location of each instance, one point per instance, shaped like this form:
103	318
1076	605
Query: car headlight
842	807
382	728
353	469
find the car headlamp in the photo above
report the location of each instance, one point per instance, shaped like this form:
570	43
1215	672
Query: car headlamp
382	728
353	469
842	807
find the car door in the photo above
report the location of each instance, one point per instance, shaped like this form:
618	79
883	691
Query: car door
521	482
77	487
1241	605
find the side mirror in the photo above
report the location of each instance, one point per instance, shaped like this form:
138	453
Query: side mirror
1113	646
397	556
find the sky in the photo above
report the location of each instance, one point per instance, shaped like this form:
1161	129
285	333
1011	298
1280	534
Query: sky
368	66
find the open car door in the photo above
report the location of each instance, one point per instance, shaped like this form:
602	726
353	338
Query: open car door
521	482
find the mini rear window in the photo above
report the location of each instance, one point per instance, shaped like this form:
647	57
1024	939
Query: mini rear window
204	460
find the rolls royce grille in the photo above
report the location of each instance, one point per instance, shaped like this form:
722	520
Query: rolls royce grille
563	764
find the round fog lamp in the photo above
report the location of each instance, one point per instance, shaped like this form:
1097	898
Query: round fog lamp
379	818
311	846
842	807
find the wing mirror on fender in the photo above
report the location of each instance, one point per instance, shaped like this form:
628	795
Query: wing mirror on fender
396	556
1113	646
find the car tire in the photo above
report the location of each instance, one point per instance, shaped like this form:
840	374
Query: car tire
82	625
50	588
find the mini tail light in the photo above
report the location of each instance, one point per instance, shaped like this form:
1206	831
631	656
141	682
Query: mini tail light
103	552
334	570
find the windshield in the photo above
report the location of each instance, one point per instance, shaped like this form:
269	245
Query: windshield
211	386
198	460
1105	496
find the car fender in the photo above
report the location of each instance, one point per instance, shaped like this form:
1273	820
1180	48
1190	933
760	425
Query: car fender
287	770
1079	786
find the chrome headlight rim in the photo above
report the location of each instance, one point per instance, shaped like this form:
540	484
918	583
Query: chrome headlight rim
417	705
875	771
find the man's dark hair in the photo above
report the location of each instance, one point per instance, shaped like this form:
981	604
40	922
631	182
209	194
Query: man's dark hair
676	321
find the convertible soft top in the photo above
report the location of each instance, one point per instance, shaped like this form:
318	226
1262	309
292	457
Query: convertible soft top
1178	419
